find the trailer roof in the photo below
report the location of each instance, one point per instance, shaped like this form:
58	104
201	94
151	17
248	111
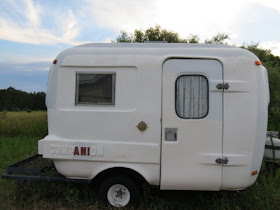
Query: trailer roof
112	54
152	45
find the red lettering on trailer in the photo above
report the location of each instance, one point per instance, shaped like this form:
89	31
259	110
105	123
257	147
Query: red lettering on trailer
92	151
76	151
83	151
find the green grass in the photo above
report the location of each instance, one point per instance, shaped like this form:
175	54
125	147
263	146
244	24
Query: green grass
30	127
15	148
37	195
264	194
19	135
14	124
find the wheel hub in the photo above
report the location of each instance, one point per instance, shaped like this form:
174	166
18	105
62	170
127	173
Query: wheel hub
118	195
120	192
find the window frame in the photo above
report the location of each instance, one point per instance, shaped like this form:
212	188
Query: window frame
77	103
208	100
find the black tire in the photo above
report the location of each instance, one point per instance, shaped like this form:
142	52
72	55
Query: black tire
112	185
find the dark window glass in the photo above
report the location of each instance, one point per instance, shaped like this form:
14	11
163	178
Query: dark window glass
95	89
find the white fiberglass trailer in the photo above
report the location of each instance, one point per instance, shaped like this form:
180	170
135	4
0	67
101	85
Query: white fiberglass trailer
180	116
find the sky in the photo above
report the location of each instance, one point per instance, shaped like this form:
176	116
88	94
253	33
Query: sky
34	32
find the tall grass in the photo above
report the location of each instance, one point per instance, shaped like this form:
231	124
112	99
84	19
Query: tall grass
23	124
19	134
13	149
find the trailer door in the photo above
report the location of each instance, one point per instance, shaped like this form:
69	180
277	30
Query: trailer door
192	123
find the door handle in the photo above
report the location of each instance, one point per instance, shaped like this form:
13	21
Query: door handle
222	86
222	161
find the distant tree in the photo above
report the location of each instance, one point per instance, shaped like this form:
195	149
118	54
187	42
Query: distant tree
193	39
151	34
15	100
139	36
156	33
124	37
219	38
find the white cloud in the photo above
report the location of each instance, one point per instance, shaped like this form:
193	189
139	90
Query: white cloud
34	35
274	46
31	31
205	18
32	12
273	4
70	26
122	14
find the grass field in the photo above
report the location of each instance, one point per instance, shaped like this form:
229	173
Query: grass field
15	124
19	133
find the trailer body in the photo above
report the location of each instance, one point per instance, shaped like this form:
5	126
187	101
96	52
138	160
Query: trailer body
182	116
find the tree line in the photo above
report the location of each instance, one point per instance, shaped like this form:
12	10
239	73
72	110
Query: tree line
18	100
158	34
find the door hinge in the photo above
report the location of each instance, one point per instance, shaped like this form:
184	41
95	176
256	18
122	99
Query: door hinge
222	161
222	86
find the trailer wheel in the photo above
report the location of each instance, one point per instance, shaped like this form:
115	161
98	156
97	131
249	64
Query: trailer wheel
119	191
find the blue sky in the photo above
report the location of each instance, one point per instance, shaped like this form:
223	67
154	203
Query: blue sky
33	32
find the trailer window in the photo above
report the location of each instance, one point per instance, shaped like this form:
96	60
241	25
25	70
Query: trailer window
192	96
96	89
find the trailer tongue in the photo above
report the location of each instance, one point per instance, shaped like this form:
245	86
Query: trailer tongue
38	169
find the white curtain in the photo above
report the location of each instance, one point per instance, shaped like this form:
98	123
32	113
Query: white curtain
192	96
